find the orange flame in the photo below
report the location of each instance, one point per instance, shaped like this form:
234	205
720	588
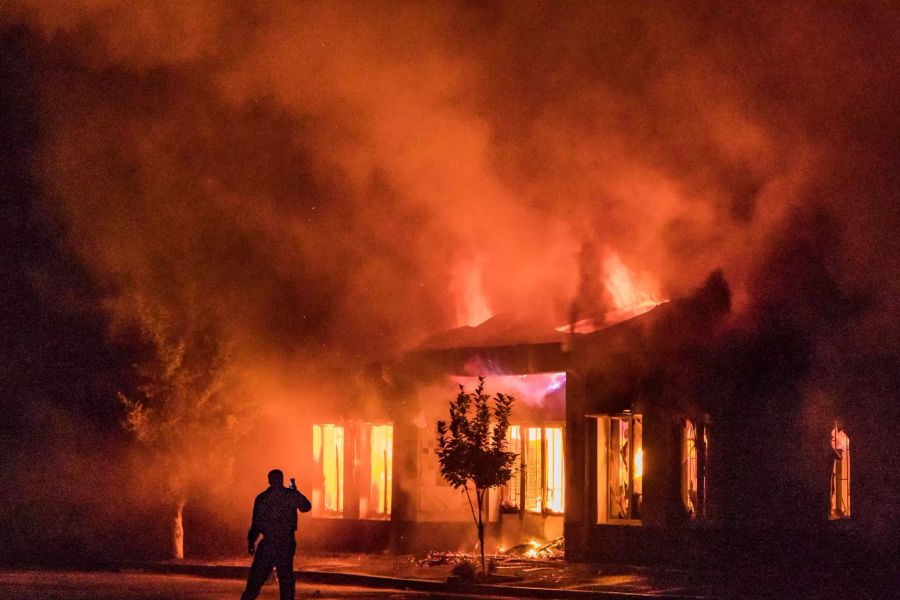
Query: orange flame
472	307
629	299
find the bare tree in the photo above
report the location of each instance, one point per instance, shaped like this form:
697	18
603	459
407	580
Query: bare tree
472	449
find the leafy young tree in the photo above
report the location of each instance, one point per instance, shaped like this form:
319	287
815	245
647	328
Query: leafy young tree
472	448
186	414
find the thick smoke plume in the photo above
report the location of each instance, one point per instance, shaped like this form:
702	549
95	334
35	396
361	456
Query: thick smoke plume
288	189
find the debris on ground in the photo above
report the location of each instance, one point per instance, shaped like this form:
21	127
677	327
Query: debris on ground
554	549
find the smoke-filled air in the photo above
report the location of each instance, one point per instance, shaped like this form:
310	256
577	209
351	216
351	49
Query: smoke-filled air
238	214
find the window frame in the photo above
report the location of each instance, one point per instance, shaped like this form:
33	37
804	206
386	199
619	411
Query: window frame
840	461
520	477
635	463
318	457
700	446
512	492
387	493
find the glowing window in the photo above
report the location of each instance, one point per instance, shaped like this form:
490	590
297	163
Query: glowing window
533	471
840	474
328	453
620	467
513	487
540	470
382	473
695	442
555	501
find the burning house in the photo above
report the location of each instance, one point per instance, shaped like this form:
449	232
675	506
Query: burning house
629	440
218	217
593	407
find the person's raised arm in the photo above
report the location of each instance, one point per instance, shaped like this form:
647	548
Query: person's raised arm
302	502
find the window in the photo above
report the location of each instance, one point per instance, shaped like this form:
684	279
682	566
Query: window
328	453
555	500
513	488
620	468
532	465
840	474
695	442
541	470
382	448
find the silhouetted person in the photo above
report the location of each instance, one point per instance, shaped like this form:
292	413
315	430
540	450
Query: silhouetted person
275	517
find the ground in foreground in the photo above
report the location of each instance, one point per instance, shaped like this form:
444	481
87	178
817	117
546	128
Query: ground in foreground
71	585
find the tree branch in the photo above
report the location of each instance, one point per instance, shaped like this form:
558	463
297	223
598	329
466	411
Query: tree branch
469	498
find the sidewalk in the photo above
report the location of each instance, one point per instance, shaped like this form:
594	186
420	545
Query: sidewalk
512	576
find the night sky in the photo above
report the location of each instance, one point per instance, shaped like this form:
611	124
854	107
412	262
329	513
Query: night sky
214	213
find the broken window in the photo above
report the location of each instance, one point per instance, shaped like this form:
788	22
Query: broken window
541	469
695	442
620	467
328	453
840	474
382	443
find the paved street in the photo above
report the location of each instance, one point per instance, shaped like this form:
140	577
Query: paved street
68	585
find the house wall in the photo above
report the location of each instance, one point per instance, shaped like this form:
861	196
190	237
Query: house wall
344	535
767	474
768	471
768	480
578	480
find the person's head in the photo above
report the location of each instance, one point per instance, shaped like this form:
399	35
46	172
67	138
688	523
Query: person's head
276	478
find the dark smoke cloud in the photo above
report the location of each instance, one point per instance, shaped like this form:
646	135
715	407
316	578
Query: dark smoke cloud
300	181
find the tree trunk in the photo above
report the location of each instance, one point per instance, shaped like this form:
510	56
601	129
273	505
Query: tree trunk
480	498
178	530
